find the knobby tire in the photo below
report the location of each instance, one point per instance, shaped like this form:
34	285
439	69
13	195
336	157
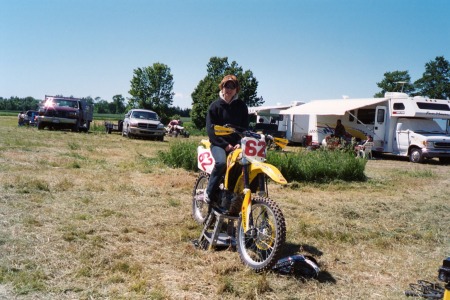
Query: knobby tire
199	208
260	247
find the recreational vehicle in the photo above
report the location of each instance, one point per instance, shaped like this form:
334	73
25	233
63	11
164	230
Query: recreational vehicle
399	124
269	120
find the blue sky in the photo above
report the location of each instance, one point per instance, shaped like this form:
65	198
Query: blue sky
298	50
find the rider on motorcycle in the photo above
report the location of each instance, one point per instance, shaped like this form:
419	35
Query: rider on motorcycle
174	123
227	109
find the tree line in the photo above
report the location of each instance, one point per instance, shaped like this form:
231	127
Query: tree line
151	87
434	83
101	106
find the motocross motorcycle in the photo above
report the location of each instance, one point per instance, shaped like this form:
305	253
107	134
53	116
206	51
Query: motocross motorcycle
261	228
176	131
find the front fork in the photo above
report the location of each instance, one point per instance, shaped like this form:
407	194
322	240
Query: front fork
247	220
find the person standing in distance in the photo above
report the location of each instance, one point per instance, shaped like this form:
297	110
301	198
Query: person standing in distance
227	109
339	130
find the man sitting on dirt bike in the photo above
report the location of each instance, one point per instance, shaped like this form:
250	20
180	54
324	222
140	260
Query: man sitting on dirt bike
173	124
227	109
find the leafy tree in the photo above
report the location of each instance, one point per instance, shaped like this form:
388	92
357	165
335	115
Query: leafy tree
118	105
435	81
101	106
89	100
18	104
207	89
397	81
151	88
176	110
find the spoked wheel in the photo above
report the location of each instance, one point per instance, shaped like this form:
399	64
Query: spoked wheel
199	207
259	247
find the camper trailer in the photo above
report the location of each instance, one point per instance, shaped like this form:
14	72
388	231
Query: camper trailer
399	124
268	119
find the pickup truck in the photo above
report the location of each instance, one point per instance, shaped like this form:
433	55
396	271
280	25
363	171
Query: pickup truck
143	123
65	113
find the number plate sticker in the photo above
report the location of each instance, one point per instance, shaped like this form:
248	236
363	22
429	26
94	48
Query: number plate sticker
254	148
205	160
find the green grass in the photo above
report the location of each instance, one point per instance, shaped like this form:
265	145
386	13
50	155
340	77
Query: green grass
26	278
311	166
181	154
318	166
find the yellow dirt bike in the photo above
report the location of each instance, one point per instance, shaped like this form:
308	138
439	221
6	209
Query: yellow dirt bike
261	228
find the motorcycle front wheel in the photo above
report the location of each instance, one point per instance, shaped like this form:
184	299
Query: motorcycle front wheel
259	247
199	208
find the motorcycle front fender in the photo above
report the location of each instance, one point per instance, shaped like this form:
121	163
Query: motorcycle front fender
268	169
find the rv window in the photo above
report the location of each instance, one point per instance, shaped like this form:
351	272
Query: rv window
399	106
380	116
433	106
351	117
366	116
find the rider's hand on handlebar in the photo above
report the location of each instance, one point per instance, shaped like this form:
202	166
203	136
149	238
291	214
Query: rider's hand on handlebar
231	148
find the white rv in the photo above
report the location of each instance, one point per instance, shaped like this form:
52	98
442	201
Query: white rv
269	120
399	124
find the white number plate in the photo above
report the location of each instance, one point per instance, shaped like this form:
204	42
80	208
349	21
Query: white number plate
253	148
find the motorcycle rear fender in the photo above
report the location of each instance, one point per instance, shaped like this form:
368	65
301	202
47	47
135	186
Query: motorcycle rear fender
205	143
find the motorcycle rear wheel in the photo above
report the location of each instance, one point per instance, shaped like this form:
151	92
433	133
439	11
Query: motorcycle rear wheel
260	247
199	208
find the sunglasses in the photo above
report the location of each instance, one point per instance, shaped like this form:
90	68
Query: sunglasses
230	86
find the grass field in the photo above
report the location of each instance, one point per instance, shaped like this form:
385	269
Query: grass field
97	216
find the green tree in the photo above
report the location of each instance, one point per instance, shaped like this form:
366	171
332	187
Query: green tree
397	81
101	106
19	104
435	81
117	106
90	100
207	89
151	88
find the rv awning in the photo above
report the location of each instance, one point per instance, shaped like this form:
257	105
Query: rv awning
268	110
330	107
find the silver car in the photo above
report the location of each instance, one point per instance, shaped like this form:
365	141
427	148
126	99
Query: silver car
143	123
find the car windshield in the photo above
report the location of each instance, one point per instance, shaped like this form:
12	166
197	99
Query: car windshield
144	115
62	103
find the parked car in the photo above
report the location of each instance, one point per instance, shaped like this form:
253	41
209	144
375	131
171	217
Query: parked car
143	123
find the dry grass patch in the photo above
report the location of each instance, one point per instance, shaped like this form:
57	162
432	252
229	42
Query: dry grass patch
96	216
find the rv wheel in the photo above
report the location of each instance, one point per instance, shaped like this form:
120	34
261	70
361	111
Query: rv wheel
415	155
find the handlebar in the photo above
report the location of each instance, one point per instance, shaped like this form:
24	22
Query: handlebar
247	132
228	129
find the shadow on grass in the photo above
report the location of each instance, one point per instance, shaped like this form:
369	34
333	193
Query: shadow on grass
392	157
